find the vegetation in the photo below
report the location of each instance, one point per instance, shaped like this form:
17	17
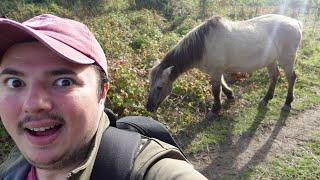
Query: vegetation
135	33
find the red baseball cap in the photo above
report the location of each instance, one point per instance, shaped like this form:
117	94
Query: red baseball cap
70	39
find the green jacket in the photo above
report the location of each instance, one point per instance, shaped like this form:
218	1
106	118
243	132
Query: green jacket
156	161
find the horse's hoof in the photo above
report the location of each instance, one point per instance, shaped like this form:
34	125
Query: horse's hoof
211	116
263	103
231	99
286	108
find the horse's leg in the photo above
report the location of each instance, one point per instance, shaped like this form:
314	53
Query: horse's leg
226	89
273	73
291	77
216	92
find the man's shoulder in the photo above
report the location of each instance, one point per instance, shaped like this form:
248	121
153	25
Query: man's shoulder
153	150
168	168
155	147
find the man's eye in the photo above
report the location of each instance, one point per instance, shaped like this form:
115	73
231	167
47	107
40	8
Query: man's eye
63	82
14	83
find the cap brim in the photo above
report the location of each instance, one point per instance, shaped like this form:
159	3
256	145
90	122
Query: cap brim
12	32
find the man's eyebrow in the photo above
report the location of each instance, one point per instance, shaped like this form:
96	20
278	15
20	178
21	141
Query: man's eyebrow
10	71
62	72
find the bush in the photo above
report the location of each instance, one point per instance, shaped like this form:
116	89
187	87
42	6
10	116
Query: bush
159	5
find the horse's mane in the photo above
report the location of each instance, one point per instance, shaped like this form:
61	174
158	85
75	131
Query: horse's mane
189	51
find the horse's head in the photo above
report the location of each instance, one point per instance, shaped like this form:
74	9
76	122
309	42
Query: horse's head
160	87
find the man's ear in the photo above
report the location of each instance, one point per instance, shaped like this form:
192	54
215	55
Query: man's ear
104	92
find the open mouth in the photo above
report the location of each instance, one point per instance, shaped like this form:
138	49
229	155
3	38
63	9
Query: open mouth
44	131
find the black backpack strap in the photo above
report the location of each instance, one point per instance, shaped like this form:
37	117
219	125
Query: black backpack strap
116	154
147	127
112	116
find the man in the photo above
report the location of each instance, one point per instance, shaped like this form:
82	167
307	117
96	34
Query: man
53	84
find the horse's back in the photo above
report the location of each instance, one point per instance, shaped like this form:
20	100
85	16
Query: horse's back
251	44
273	22
285	32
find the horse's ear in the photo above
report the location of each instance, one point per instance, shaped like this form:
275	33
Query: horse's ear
166	72
155	64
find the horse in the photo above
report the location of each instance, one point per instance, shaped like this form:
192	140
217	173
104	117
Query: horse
219	45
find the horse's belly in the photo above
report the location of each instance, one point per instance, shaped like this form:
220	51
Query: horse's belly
244	62
249	65
254	56
244	68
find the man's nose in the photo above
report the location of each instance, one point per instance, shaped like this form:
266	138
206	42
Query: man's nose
37	100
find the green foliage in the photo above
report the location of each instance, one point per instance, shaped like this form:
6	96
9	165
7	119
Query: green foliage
186	26
158	5
310	43
28	10
6	143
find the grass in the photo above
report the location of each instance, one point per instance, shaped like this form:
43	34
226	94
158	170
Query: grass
303	163
133	38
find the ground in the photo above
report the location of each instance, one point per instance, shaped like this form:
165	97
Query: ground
235	156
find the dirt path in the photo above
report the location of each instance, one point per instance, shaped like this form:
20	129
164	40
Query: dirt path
234	157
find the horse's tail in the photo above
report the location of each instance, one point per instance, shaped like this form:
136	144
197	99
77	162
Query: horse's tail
300	25
300	35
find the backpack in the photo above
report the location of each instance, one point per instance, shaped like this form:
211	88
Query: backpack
121	141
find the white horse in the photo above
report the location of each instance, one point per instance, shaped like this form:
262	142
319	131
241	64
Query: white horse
220	45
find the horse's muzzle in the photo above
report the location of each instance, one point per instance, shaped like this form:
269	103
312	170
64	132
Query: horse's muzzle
151	107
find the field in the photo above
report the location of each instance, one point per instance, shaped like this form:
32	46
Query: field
134	34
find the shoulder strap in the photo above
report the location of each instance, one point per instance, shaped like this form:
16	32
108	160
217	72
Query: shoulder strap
112	116
18	172
148	127
116	154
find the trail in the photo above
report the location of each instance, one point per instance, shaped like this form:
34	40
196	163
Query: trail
231	159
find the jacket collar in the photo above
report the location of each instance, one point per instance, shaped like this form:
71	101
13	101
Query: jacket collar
84	170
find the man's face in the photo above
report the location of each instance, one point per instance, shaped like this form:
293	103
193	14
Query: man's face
48	105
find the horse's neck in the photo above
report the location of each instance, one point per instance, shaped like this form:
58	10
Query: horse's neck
179	62
189	51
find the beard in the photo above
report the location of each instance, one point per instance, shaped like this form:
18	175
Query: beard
68	159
